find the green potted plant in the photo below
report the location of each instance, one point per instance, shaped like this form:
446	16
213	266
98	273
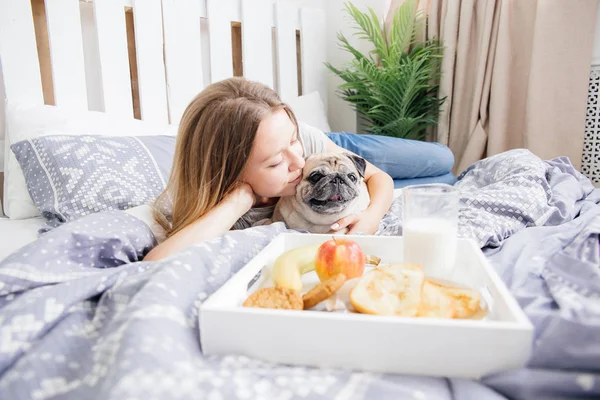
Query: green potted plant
394	87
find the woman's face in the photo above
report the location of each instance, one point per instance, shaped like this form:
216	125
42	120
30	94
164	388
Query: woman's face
275	164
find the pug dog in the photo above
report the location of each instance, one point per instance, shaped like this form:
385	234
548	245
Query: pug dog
332	187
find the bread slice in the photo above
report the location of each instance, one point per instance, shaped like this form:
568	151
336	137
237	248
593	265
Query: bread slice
439	301
390	290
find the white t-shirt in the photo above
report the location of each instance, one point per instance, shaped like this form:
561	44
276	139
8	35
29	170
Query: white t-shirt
314	141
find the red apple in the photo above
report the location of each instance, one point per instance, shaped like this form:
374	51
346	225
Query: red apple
339	256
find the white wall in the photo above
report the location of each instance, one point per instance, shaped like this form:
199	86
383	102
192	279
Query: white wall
341	116
596	54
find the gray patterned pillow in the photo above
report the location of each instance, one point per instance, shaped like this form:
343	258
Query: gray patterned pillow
71	176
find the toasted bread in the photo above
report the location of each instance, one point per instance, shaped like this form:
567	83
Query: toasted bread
438	301
390	290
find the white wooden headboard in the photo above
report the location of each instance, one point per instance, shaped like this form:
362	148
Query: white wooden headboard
148	58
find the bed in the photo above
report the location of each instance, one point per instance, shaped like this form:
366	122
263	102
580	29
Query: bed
82	317
17	233
102	65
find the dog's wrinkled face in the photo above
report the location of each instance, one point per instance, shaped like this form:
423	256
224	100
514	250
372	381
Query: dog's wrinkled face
331	181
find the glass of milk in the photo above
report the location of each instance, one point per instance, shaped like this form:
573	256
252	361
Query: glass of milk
430	227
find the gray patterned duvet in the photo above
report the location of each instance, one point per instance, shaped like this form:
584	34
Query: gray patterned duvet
81	318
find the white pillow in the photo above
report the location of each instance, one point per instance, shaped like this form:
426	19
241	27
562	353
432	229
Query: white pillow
24	121
309	108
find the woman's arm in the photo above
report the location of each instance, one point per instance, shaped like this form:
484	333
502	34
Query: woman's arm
212	224
381	192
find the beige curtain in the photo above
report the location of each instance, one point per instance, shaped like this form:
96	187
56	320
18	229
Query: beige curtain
515	74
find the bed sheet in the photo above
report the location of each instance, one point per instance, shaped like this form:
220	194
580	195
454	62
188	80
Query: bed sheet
92	321
16	233
553	271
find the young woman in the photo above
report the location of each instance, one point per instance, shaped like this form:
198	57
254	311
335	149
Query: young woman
239	149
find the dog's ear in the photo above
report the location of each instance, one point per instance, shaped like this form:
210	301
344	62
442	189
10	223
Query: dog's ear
359	162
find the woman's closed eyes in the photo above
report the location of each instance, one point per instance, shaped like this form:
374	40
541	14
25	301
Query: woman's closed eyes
292	142
276	164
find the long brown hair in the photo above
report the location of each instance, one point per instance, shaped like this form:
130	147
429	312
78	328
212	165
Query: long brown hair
215	137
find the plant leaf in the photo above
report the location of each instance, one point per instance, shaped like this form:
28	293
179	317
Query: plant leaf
395	86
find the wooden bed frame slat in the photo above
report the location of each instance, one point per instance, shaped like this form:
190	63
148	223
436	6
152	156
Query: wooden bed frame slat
287	66
133	68
150	63
91	55
38	9
19	58
257	41
66	52
236	48
219	19
183	54
312	30
114	63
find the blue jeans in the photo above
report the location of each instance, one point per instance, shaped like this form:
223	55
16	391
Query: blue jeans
408	162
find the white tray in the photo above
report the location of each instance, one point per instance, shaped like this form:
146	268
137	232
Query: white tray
423	346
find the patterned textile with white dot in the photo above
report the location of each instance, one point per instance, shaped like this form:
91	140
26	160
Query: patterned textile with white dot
81	317
72	176
505	193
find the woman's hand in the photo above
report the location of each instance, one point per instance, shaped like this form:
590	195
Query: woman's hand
365	222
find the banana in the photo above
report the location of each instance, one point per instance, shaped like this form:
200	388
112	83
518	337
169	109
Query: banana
290	266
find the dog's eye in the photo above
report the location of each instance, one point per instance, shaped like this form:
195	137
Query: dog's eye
352	177
315	177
